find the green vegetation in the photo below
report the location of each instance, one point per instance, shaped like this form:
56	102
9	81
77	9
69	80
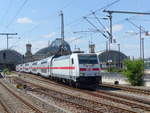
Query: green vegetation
6	71
134	71
114	69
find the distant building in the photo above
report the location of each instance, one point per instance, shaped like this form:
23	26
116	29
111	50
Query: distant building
28	55
10	58
57	47
147	63
111	58
91	48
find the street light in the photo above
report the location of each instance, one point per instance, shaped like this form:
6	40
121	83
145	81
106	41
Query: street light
142	42
119	55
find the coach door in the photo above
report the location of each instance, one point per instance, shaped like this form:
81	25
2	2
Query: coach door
72	67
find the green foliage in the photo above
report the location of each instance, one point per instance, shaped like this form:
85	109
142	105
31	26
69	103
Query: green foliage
114	69
6	71
134	71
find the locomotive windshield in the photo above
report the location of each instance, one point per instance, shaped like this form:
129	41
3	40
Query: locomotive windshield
88	59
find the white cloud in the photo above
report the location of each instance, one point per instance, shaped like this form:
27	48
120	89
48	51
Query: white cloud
117	27
131	46
49	35
131	33
24	20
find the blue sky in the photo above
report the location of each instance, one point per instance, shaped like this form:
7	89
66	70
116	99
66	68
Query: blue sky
38	22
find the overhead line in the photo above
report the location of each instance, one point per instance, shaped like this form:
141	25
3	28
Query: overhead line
101	23
6	12
104	7
19	10
36	26
30	30
67	5
95	27
108	5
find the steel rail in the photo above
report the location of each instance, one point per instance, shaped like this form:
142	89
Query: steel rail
23	100
111	107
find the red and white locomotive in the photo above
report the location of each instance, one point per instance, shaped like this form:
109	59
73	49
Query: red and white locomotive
74	69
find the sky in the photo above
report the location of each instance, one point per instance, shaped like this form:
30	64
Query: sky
38	22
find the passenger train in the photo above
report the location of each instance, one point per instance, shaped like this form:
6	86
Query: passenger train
75	69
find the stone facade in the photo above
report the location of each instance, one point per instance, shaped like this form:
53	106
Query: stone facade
10	58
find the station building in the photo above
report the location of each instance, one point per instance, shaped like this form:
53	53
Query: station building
111	58
147	63
10	58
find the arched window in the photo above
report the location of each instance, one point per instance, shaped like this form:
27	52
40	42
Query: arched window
4	55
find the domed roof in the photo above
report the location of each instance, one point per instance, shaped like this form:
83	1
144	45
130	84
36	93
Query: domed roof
43	51
9	56
55	48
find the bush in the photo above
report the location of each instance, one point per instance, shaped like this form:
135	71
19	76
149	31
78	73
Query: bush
114	69
134	71
6	71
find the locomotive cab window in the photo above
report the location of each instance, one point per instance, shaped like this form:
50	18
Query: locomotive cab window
88	59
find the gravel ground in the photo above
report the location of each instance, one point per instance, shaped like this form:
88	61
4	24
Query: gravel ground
126	93
2	109
77	93
68	108
43	106
14	104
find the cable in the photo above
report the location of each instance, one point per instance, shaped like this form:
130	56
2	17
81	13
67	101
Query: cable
106	6
36	26
96	27
19	10
33	28
6	12
101	23
68	4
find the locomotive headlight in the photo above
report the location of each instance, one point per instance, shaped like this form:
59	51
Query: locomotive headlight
97	73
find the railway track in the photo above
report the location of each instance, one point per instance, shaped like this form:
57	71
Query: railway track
126	100
21	99
125	88
128	88
82	103
4	105
109	96
121	99
78	105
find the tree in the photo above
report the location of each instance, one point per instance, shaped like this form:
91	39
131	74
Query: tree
134	71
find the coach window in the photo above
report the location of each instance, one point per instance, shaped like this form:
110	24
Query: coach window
72	61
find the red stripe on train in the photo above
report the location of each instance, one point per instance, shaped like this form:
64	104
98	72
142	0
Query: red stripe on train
96	69
48	68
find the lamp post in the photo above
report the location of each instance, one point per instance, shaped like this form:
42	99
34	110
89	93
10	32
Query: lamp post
119	55
142	47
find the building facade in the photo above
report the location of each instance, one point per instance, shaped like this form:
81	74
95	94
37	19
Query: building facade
57	47
111	58
10	58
